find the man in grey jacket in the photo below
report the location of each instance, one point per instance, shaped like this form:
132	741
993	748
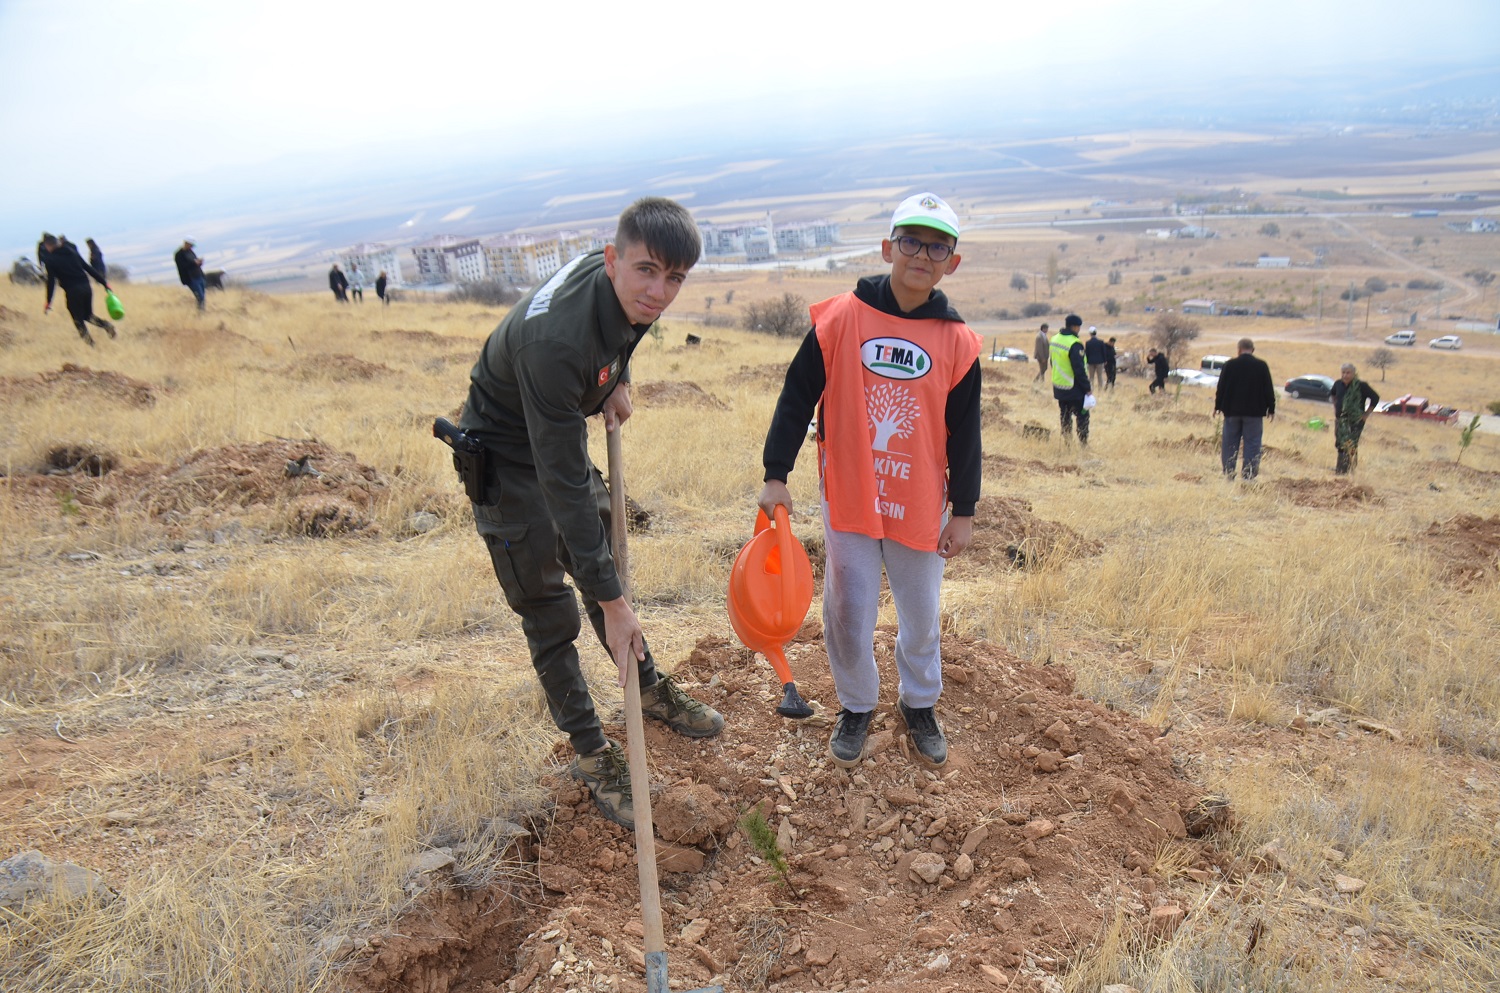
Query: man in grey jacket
560	356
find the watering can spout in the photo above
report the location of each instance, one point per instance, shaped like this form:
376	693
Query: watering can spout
770	589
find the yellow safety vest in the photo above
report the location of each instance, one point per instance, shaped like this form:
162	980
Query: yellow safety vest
1062	366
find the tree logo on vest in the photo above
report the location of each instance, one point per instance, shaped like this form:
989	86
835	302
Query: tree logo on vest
893	413
895	358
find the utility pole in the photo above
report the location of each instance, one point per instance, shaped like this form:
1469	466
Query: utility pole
1368	301
1319	328
1349	323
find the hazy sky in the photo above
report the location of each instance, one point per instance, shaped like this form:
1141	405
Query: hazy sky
126	99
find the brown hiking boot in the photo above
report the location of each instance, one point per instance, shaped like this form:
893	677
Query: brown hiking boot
607	775
666	702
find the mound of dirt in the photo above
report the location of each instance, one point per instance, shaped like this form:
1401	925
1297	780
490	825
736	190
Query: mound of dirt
191	341
1006	530
669	393
1328	494
989	873
80	458
336	366
772	376
420	337
75	381
1004	465
335	500
1468	547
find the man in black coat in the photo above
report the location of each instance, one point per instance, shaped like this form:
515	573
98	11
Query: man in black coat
1246	397
66	268
338	283
1093	351
1158	362
190	270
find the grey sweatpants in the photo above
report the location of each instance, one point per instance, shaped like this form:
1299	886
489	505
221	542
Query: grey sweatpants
851	601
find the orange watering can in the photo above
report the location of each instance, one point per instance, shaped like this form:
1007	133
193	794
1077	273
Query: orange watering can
770	589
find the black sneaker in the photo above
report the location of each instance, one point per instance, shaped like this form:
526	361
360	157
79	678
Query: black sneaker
848	741
922	723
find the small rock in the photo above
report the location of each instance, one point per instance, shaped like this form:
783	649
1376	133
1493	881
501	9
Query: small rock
1037	830
930	938
995	976
1348	885
678	858
423	521
1164	921
31	874
974	839
928	867
1061	735
1015	869
430	861
963	868
940	963
821	952
336	947
1119	988
694	930
902	796
707	958
1048	761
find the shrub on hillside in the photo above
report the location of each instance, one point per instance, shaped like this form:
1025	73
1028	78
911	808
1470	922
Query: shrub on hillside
1282	309
1037	309
1169	331
783	317
491	292
1424	284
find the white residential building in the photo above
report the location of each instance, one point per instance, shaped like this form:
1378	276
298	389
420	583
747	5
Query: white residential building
371	260
1484	225
1273	262
466	262
432	261
1200	307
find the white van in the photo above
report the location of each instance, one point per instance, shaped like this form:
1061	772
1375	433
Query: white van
1401	338
1213	363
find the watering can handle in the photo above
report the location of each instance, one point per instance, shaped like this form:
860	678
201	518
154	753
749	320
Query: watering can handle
788	579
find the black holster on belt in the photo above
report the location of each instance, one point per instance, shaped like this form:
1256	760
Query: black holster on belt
470	457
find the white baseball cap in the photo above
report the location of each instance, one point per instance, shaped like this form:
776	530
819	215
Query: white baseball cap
1093	330
926	210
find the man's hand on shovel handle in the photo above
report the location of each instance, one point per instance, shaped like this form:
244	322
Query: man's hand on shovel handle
622	632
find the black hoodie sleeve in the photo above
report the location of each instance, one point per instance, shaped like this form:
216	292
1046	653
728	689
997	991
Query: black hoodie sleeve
965	454
805	379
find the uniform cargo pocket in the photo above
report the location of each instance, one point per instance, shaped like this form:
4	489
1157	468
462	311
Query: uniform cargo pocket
515	565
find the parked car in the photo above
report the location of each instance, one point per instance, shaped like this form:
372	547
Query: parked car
1213	363
1452	342
1010	355
1401	338
1418	407
1312	386
1192	377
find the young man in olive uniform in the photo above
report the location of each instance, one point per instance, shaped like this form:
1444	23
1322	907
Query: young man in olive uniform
559	357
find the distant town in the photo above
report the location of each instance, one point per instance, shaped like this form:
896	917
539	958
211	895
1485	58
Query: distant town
523	260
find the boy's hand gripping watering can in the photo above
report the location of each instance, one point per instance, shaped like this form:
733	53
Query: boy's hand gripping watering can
770	589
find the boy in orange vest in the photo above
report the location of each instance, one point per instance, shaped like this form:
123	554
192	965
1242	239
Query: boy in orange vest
894	375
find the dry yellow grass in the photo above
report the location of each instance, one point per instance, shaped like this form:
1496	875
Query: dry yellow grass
285	720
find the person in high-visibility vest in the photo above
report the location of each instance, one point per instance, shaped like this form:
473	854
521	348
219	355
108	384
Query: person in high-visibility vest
1070	379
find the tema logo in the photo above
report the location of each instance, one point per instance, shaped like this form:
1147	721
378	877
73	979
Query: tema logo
895	358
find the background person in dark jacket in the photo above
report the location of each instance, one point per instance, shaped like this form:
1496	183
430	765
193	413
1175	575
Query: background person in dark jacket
1158	362
338	283
96	255
190	270
1111	363
1246	397
1353	399
1093	351
66	268
1070	379
380	288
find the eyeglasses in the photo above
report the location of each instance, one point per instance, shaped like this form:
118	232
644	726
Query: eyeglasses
937	251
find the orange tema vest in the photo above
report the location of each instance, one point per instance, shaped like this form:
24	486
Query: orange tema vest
883	460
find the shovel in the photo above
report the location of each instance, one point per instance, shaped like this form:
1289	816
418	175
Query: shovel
770	589
635	739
